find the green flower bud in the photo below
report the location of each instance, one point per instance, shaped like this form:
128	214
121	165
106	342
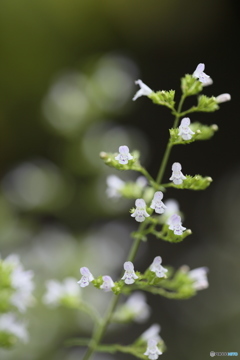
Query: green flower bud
196	182
165	98
190	85
207	104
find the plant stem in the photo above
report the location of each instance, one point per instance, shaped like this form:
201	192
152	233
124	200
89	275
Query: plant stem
169	145
103	325
100	330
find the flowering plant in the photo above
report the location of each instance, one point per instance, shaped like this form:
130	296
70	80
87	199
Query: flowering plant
156	215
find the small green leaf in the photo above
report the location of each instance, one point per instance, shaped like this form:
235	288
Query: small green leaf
164	98
190	85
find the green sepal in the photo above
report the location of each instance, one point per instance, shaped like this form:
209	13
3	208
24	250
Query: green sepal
202	132
196	182
207	104
168	235
109	159
190	85
164	98
117	285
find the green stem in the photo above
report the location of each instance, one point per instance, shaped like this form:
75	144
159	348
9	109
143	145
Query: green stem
100	330
169	145
102	327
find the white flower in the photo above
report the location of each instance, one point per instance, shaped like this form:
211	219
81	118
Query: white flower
172	208
137	306
21	282
140	212
141	182
199	276
157	203
152	333
152	350
107	284
177	176
157	268
9	325
223	98
184	130
143	91
129	276
123	155
115	184
201	76
86	278
175	224
57	291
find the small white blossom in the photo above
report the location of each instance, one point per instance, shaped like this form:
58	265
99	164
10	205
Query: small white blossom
175	224
123	155
143	91
184	130
157	203
57	291
21	282
137	306
9	325
199	276
157	268
152	350
107	284
115	184
141	182
177	176
152	333
201	76
86	278
223	98
129	276
172	208
140	212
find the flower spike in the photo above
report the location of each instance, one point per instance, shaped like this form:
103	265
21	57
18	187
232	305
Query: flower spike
177	176
157	203
143	91
129	276
140	212
123	155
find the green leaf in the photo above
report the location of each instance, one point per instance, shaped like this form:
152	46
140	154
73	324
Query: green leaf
196	182
164	98
168	235
190	85
202	132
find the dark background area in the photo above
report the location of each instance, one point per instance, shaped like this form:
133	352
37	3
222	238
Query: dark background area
162	40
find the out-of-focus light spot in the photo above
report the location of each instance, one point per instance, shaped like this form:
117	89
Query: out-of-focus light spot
36	185
66	104
108	137
112	83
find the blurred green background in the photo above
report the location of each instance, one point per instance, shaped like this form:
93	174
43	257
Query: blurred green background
67	71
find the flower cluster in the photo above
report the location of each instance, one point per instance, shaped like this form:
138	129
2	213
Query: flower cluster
16	295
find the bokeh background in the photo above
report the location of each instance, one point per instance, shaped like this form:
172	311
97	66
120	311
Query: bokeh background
67	71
